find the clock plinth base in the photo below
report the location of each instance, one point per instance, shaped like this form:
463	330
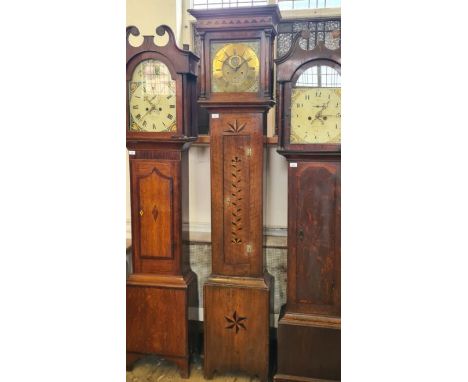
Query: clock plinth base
236	319
157	318
309	348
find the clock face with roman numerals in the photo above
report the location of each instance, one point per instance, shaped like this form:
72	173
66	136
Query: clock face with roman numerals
316	107
152	98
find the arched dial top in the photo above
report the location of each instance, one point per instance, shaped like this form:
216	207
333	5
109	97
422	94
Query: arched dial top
235	66
152	95
316	107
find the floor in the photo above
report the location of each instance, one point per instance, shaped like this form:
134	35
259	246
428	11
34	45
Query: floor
154	369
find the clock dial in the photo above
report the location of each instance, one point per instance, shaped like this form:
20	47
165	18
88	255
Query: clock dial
152	98
315	115
235	67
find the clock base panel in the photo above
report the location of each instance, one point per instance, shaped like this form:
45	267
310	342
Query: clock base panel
157	322
308	353
237	326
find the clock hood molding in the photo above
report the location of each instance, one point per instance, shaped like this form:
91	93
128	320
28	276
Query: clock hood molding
187	61
298	55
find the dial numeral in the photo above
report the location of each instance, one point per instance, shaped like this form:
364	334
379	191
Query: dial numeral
144	123
135	107
154	126
170	116
172	106
138	116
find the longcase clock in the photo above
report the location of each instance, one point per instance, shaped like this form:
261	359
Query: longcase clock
236	89
309	129
161	100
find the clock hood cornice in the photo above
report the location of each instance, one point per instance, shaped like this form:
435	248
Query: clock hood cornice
224	18
297	56
187	61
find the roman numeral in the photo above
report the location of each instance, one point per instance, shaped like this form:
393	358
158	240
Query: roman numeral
170	116
144	123
138	116
135	107
154	126
172	106
169	96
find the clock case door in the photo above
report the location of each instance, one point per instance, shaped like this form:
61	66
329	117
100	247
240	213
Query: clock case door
183	67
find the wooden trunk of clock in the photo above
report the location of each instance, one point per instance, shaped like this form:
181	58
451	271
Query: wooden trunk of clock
161	83
237	294
236	49
159	289
309	335
309	128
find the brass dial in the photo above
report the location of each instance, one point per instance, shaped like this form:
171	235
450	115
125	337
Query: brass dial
152	98
235	67
315	115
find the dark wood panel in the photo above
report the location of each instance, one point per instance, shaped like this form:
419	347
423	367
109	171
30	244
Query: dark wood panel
316	235
236	196
236	177
156	190
236	330
314	267
157	321
308	352
156	207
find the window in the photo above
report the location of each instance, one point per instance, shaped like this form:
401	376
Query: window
306	4
207	4
320	76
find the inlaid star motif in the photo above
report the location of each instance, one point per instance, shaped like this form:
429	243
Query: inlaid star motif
235	322
235	127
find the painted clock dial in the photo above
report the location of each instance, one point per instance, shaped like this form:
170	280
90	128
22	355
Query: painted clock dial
235	66
152	98
316	107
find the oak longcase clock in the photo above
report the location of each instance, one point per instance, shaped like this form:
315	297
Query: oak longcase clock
236	48
309	129
161	92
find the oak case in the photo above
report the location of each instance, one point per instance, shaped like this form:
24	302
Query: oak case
237	293
309	335
162	283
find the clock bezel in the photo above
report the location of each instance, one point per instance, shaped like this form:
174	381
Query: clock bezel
289	69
